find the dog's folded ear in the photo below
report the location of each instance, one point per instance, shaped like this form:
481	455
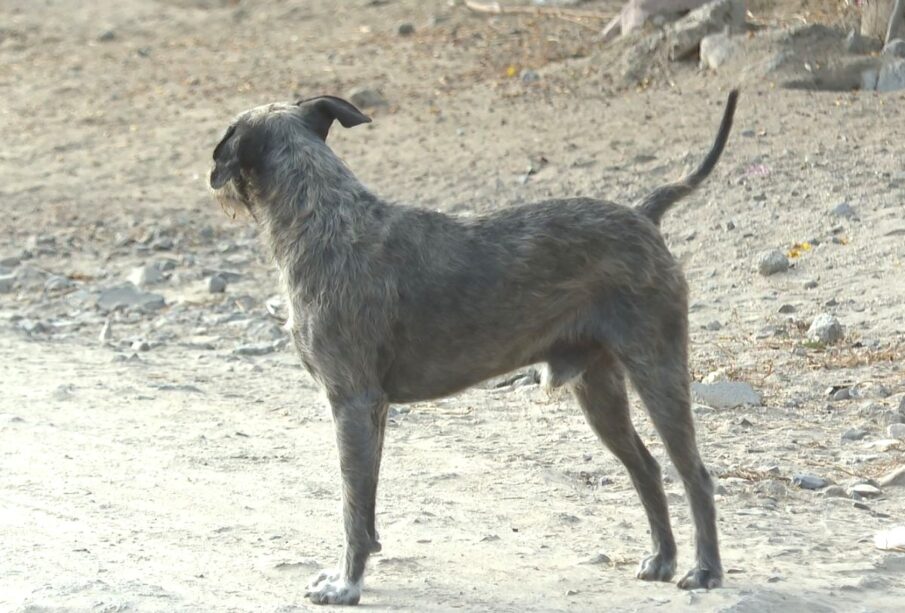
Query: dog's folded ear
241	148
319	114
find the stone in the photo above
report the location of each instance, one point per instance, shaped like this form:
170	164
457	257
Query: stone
841	394
529	76
786	309
405	29
256	349
10	261
854	43
854	434
106	36
892	75
826	329
145	275
685	35
772	262
869	389
366	97
725	394
127	296
895	48
714	325
716	50
106	334
845	210
58	283
810	284
894	478
865	490
141	345
7	283
896	431
810	482
835	491
216	284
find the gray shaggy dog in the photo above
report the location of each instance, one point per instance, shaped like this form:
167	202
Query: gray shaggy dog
393	303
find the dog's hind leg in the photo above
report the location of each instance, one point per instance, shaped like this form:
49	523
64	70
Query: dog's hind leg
359	420
601	393
661	378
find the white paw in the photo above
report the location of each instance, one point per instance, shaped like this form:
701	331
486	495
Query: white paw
329	588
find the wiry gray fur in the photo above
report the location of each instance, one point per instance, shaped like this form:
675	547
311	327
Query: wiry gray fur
397	304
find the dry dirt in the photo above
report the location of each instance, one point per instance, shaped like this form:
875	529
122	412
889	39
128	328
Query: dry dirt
168	470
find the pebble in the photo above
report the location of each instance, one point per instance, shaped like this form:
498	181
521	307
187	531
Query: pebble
835	491
894	478
841	394
10	261
7	283
106	36
529	76
826	329
896	431
716	49
127	296
725	394
895	48
216	284
714	325
141	345
787	308
255	349
600	558
366	97
147	274
865	490
405	29
810	482
106	334
845	210
772	262
854	434
230	276
810	284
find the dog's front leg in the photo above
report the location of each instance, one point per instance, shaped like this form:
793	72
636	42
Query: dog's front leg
359	420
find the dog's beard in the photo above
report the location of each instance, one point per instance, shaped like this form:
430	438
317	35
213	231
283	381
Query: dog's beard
231	202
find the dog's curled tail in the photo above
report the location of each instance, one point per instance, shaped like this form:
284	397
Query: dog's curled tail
656	203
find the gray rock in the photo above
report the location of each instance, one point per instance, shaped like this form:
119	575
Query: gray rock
529	76
895	48
845	210
216	284
256	349
685	35
841	394
141	345
725	394
835	491
826	329
58	283
896	431
230	276
29	277
869	389
145	275
894	478
600	558
716	50
787	308
810	284
405	29
7	283
892	75
106	36
10	262
106	334
366	97
854	434
164	243
810	482
714	325
126	296
865	490
772	262
854	43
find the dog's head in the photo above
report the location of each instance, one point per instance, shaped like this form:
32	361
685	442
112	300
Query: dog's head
268	140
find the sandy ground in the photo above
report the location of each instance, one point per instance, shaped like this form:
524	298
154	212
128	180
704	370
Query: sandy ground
187	463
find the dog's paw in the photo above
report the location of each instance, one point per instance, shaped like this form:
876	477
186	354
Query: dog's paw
330	588
657	568
701	578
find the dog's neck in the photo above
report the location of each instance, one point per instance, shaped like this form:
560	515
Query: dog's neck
320	225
